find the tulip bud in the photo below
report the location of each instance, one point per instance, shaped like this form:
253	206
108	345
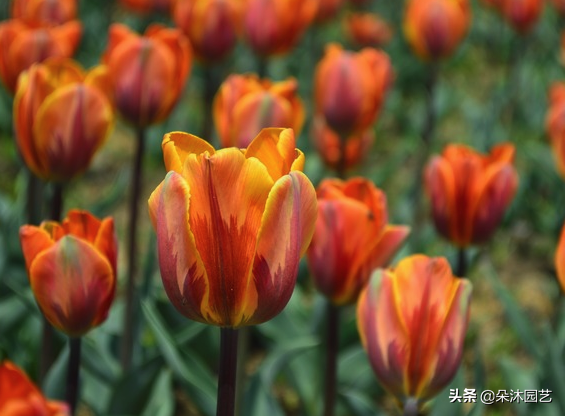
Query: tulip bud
231	226
20	397
244	105
412	321
273	27
522	15
434	28
44	12
470	192
350	88
327	10
555	124
351	239
61	117
211	26
72	270
148	72
367	30
21	45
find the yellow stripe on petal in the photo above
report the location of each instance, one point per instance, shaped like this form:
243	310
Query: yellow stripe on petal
178	145
275	148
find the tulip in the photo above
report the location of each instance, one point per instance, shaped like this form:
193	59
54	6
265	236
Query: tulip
20	397
245	104
148	6
330	147
44	12
522	15
412	321
61	117
559	6
434	28
560	259
274	27
231	226
72	269
351	239
211	26
148	72
469	192
555	124
367	30
327	10
350	88
21	45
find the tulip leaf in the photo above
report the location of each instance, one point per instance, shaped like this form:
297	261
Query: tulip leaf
443	404
161	402
516	377
54	383
358	403
98	361
259	400
554	368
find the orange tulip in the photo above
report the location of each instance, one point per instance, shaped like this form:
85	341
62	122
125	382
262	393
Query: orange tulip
72	270
148	6
231	226
327	10
522	15
148	72
469	191
245	104
412	321
21	45
434	28
274	27
351	239
555	124
61	117
44	12
212	26
20	397
367	30
350	88
560	259
329	146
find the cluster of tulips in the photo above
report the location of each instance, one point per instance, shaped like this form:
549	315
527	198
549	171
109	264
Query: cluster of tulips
233	223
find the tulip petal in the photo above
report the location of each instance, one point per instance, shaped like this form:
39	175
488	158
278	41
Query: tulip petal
286	230
560	259
275	148
178	145
34	240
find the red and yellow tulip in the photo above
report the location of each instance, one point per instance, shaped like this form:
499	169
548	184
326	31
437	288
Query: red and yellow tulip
212	26
351	239
148	72
434	28
72	270
244	105
274	27
367	30
22	45
470	192
44	12
62	116
560	259
20	397
412	321
231	226
555	124
522	15
350	88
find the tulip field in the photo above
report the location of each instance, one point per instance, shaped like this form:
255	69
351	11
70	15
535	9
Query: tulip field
282	207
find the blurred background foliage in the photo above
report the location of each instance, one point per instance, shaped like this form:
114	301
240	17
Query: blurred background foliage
493	89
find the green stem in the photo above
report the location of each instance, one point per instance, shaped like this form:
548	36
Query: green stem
127	345
225	405
411	408
332	344
73	371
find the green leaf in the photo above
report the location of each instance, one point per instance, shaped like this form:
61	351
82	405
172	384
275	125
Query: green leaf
162	401
358	403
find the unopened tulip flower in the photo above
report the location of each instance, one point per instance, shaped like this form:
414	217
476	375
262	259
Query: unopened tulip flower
20	397
231	226
367	30
327	10
469	191
274	27
22	44
245	104
412	321
212	26
72	270
62	116
330	147
555	124
351	239
148	6
44	12
522	15
148	72
434	28
350	88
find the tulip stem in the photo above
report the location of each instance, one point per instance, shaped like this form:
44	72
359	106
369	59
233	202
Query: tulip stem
73	371
332	344
411	408
210	88
342	161
34	199
430	120
57	202
227	372
127	345
461	262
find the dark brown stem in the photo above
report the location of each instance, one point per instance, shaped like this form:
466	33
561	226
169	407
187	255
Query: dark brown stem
341	163
262	67
411	408
332	344
225	405
461	262
57	202
430	121
210	88
34	200
73	371
129	326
